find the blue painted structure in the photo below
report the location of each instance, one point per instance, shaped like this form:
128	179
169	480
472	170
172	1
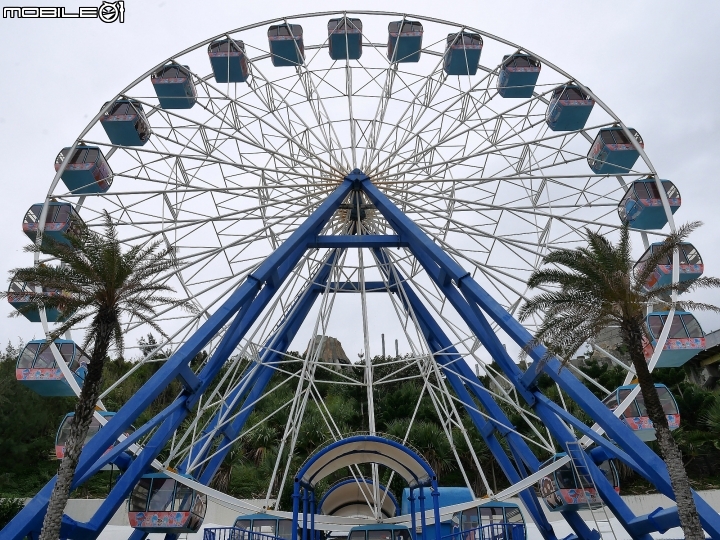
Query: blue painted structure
24	297
636	416
462	53
366	449
486	513
61	219
287	47
228	60
126	124
518	75
86	172
37	369
472	303
345	38
685	340
691	266
174	86
613	152
570	107
404	41
642	207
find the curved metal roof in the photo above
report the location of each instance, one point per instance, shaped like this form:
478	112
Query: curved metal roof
350	497
366	449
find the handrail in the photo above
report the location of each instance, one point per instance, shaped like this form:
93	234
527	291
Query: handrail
493	531
237	533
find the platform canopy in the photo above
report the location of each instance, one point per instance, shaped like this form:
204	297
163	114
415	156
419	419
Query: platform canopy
366	449
350	497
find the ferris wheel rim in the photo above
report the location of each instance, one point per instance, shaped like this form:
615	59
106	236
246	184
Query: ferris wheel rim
201	44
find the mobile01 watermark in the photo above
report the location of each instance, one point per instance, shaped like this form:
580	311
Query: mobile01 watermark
108	12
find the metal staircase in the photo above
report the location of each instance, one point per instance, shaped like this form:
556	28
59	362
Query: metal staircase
598	511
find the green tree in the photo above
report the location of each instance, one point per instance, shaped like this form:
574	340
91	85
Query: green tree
597	288
101	285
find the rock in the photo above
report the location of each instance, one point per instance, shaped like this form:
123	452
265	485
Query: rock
331	350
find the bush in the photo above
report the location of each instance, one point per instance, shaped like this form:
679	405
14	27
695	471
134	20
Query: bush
9	509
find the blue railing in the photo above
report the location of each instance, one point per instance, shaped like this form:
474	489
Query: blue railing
493	531
236	533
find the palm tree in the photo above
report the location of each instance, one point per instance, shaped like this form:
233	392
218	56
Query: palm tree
599	288
101	285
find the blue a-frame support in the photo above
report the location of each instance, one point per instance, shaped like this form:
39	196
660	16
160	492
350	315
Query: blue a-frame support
471	302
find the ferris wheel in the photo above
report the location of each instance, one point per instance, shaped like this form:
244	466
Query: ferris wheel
324	157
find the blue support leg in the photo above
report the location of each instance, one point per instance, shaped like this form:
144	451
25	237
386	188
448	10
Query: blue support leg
450	360
413	521
423	525
312	515
296	509
285	257
436	511
444	271
305	514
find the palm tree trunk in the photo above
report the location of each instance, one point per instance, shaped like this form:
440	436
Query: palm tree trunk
84	410
689	519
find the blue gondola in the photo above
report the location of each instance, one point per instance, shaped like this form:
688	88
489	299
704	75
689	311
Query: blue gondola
19	297
565	489
174	86
462	53
642	206
264	525
404	44
159	504
287	47
37	369
636	416
61	219
490	519
228	60
345	38
379	531
518	75
87	170
63	433
691	266
685	340
612	152
569	108
126	124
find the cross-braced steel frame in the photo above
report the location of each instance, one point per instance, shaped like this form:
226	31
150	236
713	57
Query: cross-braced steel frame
475	306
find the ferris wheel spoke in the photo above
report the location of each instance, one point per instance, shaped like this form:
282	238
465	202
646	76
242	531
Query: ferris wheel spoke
414	133
304	79
451	133
272	127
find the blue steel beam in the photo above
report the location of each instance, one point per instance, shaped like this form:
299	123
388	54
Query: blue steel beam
483	331
445	270
449	359
255	386
240	301
357	241
280	341
355	287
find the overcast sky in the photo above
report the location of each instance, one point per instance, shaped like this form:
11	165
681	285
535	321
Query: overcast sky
654	63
